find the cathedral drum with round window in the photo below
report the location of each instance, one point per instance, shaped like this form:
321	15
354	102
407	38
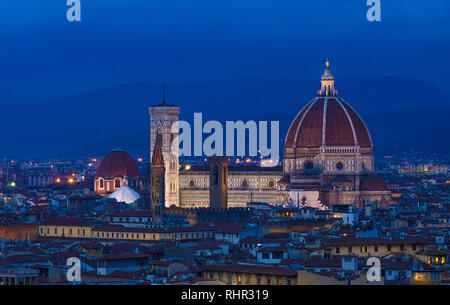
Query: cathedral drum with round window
244	183
340	165
308	165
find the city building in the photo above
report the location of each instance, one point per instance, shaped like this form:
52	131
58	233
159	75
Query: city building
328	159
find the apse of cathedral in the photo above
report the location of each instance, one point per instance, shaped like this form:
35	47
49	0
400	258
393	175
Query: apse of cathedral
328	159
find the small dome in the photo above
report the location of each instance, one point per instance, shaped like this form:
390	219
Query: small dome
125	194
372	183
118	163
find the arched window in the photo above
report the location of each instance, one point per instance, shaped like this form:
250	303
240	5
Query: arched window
117	183
101	183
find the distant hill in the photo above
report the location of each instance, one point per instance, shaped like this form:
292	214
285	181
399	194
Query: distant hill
95	122
426	131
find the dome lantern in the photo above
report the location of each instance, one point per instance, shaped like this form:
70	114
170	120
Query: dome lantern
327	82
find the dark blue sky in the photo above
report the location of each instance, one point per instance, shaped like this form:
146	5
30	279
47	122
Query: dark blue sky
120	41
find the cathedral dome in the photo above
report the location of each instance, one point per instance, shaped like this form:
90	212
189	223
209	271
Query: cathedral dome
372	183
327	120
118	163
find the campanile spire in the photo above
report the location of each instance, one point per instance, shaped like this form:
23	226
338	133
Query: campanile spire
157	181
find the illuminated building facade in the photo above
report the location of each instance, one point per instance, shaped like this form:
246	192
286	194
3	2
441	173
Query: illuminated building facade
245	184
328	159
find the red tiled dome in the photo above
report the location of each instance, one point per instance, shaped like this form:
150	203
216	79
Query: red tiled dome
372	183
327	121
118	163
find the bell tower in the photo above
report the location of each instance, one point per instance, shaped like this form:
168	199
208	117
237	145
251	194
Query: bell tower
162	117
218	182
